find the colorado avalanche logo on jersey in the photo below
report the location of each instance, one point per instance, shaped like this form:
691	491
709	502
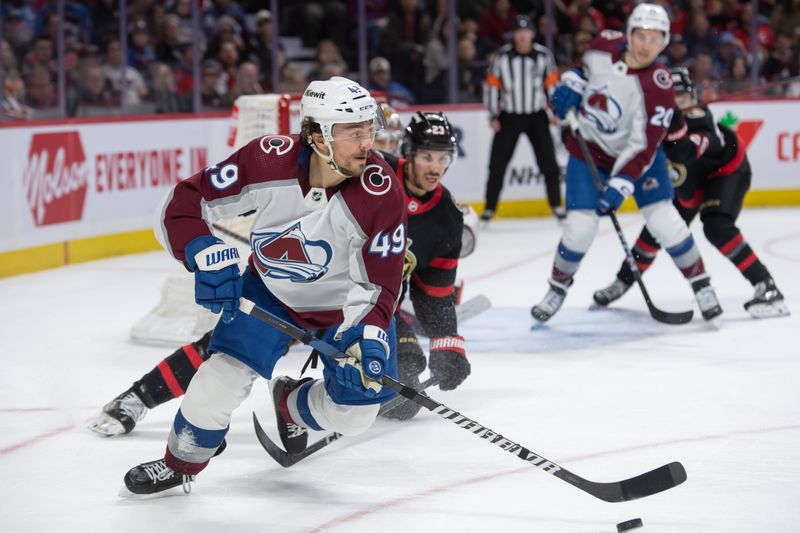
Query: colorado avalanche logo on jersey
375	181
290	255
603	110
280	144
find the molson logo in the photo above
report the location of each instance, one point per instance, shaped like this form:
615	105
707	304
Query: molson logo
56	178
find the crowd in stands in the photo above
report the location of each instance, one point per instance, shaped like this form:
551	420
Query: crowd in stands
407	46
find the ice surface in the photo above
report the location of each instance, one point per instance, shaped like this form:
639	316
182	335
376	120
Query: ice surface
607	394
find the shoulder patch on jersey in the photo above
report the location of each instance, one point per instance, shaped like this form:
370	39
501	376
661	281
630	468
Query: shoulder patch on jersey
662	78
277	144
696	112
375	180
610	34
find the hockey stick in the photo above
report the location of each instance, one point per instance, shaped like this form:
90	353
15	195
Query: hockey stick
230	233
681	317
658	480
286	459
466	310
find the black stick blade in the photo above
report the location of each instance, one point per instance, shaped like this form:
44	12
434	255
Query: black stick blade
681	317
281	457
658	480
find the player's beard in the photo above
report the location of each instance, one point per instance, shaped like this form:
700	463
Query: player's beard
355	167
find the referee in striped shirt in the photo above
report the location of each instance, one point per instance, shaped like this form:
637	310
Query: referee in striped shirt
515	93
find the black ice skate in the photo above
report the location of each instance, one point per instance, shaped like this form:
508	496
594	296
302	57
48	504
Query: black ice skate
120	415
293	436
551	303
560	213
612	293
767	301
155	476
706	298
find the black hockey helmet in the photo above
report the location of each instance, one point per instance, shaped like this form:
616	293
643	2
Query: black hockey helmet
683	82
431	131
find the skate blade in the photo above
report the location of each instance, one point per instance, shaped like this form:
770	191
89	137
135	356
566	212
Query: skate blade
594	306
772	310
715	324
539	326
105	426
126	494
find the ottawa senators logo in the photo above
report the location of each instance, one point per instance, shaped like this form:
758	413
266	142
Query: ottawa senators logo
677	174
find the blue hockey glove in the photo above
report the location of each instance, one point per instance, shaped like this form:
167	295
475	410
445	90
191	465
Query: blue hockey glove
368	355
617	189
568	93
217	282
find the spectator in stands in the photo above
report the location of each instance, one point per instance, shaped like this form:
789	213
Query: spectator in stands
94	91
11	104
323	19
581	41
562	42
616	12
152	12
677	53
210	95
293	80
17	32
182	68
497	21
183	13
42	55
377	19
738	78
219	8
779	64
227	30
260	47
228	58
140	52
700	37
435	60
165	94
583	8
166	48
407	31
246	82
704	76
78	24
328	58
471	29
380	79
40	89
471	72
8	61
741	30
135	87
728	47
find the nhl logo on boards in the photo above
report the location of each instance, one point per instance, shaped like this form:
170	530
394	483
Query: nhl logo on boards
56	177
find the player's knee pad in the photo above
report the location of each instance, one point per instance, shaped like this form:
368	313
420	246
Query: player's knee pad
665	224
344	419
221	384
579	230
719	228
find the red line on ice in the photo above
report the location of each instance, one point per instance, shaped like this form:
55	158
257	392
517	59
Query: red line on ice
389	504
34	440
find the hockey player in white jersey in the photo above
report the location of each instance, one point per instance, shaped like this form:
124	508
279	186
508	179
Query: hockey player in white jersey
624	104
327	254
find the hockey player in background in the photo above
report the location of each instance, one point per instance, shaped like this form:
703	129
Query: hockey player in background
624	105
434	232
328	244
711	175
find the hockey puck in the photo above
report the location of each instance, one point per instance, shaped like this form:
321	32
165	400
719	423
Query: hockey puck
629	524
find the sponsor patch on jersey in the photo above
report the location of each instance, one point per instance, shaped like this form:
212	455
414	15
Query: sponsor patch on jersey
288	254
375	181
662	78
279	144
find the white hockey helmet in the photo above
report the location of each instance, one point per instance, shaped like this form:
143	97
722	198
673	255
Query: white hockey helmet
338	101
649	17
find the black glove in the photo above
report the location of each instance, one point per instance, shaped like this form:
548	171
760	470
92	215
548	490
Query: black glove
448	362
